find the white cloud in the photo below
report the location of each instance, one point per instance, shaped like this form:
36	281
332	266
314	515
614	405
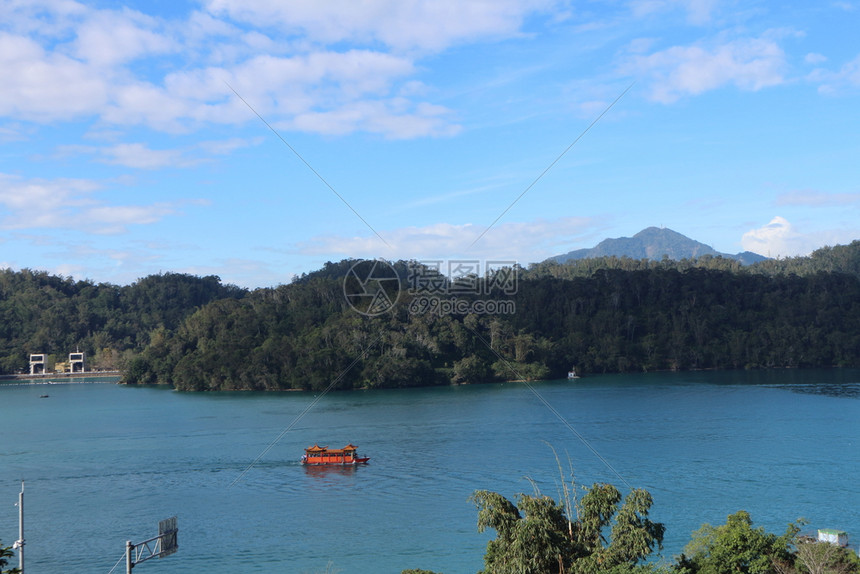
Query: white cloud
114	219
117	67
138	156
524	242
43	17
748	64
779	238
815	58
847	78
121	263
68	270
698	11
402	24
146	104
225	147
108	38
776	239
41	196
69	204
46	86
811	198
11	133
270	79
395	119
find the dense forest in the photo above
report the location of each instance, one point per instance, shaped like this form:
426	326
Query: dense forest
43	313
599	315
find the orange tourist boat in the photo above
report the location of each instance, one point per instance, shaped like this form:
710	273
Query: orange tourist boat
334	456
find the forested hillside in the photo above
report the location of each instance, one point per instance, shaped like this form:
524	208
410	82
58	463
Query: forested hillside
600	315
43	313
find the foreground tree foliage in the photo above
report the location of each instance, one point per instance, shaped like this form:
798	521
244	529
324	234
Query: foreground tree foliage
600	534
538	535
736	548
814	557
6	553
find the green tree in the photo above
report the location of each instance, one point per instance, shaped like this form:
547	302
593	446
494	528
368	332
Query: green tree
471	369
813	557
5	553
531	537
539	536
632	535
736	548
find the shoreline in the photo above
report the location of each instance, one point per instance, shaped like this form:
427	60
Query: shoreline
59	378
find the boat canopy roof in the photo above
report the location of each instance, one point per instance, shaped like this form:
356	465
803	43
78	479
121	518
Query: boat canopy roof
316	449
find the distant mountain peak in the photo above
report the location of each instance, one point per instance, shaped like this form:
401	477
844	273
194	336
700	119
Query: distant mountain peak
654	243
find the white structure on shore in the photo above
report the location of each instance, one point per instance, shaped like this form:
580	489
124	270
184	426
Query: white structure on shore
76	362
37	364
838	537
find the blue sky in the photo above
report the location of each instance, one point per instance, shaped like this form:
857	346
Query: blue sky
124	150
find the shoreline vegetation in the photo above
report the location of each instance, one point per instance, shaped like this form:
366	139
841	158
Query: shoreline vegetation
603	315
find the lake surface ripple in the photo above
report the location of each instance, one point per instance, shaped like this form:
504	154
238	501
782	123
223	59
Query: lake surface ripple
104	463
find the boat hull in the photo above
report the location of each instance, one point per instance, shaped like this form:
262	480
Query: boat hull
353	462
323	456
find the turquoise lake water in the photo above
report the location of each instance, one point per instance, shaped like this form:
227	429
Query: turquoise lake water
104	463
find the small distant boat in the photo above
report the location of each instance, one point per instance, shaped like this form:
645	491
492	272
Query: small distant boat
44	396
571	374
322	455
